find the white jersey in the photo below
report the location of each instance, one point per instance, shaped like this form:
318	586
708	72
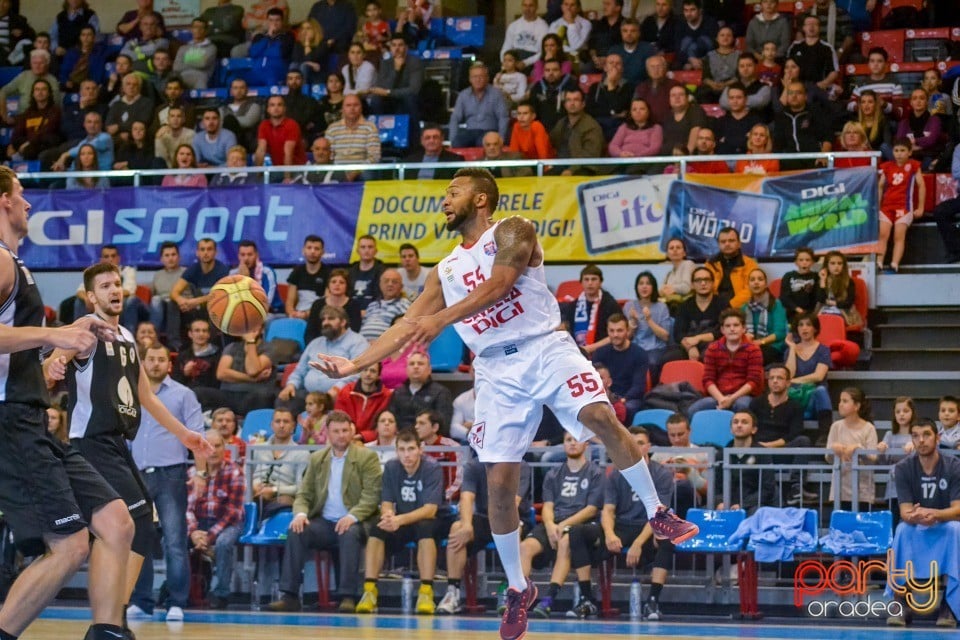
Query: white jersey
528	311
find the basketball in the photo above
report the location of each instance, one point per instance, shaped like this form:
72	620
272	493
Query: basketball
237	305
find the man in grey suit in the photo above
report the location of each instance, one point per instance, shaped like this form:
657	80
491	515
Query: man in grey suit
398	83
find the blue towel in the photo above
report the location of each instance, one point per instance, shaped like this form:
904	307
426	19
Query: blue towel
775	533
921	545
854	543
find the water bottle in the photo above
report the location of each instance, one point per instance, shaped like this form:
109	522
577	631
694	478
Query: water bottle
406	594
635	599
255	596
267	160
275	592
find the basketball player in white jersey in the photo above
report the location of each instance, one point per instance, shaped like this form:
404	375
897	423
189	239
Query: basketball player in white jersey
493	290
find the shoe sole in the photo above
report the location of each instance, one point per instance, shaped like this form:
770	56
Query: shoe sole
686	536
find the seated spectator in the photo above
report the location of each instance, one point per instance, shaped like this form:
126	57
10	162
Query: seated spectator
623	525
352	473
87	161
280	138
17	33
245	372
129	108
800	117
185	159
945	214
898	208
769	26
749	489
146	334
529	137
322	155
250	265
572	495
880	82
432	150
65	30
769	69
307	282
922	128
430	428
383	312
271	50
57	424
336	296
163	313
758	141
353	139
493	151
173	135
398	83
330	107
375	31
358	73
940	102
684	122
478	109
816	59
225	24
215	514
733	129
949	425
677	284
707	146
137	152
572	28
277	473
22	85
510	81
633	52
256	20
551	48
576	135
798	288
650	322
853	431
224	421
547	94
336	339
731	269
413	274
758	94
385	425
140	50
310	52
694	36
72	118
363	400
808	362
608	100
524	36
236	159
876	130
658	27
656	89
312	421
37	127
174	95
193	289
586	317
835	27
197	364
837	292
627	363
639	136
688	468
303	109
86	61
698	318
719	68
766	318
412	494
604	34
160	72
419	392
242	115
732	368
337	20
214	142
365	273
197	59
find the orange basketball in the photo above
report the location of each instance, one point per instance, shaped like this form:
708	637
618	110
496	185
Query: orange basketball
237	305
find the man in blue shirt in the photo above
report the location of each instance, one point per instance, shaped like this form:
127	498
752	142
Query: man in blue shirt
162	461
212	145
479	108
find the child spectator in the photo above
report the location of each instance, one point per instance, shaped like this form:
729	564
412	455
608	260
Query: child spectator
375	31
898	208
529	136
313	423
853	431
798	288
770	70
949	422
904	417
513	83
837	294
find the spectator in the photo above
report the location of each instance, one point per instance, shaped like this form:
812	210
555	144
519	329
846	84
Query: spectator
608	101
196	59
817	59
185	159
280	138
163	313
277	473
160	72
798	289
627	363
146	334
162	461
791	74
719	67
524	36
308	281
757	93
853	431
129	24
898	208
413	274
419	392
312	422
658	27
364	275
57	424
15	32
303	109
197	364
808	362
573	29
949	414
375	31
876	132
547	94
87	161
904	417
650	322
945	214
245	372
511	82
72	122
271	50
551	48
707	146
685	121
677	285
225	24
330	107
940	102
65	30
310	52
256	20
633	52
129	108
38	127
638	137
880	82
353	139
398	83
140	50
835	27
586	317
605	33
732	367
337	496
731	269
430	428
688	468
236	159
769	26
172	136
735	126
464	412
174	96
212	145
529	136
137	152
250	265
576	135
338	21
363	400
432	150
749	490
193	289
86	61
22	84
922	129
412	492
336	295
798	128
758	141
769	69
766	318
386	437
493	151
242	114
359	75
322	156
694	36
837	292
478	109
657	88
383	312
698	319
572	495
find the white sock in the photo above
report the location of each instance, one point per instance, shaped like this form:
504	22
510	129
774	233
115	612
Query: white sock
508	546
639	479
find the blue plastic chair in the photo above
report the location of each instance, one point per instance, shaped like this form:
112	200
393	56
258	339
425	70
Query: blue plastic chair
287	329
876	526
273	531
446	350
465	31
811	524
251	513
231	69
394	129
657	417
256	421
711	427
716	527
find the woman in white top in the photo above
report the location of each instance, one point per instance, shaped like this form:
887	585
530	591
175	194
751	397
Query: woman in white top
358	73
677	283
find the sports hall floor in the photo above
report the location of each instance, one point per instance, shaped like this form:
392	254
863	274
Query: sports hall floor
67	623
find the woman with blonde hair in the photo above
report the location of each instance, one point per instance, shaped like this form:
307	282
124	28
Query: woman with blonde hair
758	141
310	52
853	137
877	129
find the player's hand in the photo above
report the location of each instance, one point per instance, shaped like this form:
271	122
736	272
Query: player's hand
633	554
423	330
334	366
461	538
54	369
200	446
298	523
614	544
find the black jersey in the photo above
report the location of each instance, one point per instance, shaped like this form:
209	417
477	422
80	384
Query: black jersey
21	374
104	396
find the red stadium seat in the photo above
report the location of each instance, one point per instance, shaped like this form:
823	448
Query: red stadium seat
862	302
282	289
683	371
143	292
891	41
470	154
588	79
690	79
774	287
568	290
833	334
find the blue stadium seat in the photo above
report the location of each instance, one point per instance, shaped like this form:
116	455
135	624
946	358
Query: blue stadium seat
716	527
711	427
273	531
183	35
251	513
9	73
443	53
256	421
446	351
316	91
876	527
466	31
288	329
394	129
221	93
656	417
232	68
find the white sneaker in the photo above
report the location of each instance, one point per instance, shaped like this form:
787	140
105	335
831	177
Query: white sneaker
451	601
136	613
174	614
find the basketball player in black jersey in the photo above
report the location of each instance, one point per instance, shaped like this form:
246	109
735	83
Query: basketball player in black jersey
108	391
50	496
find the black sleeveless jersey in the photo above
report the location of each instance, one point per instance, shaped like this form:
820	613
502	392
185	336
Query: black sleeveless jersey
21	373
104	397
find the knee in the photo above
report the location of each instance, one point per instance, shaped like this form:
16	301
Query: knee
599	418
113	525
74	549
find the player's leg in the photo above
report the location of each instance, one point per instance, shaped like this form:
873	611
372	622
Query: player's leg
886	226
426	565
899	242
113	529
503	481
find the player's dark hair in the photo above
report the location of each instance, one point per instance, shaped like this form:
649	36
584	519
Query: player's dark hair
925	423
483	182
90	273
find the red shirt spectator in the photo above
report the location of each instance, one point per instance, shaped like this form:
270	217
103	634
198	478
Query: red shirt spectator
730	370
219	499
279	137
363	400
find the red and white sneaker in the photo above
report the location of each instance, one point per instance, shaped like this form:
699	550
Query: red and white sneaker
667	525
513	625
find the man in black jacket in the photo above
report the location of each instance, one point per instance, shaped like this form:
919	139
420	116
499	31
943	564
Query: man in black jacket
431	150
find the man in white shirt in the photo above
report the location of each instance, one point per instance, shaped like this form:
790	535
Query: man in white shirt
412	273
572	28
524	35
